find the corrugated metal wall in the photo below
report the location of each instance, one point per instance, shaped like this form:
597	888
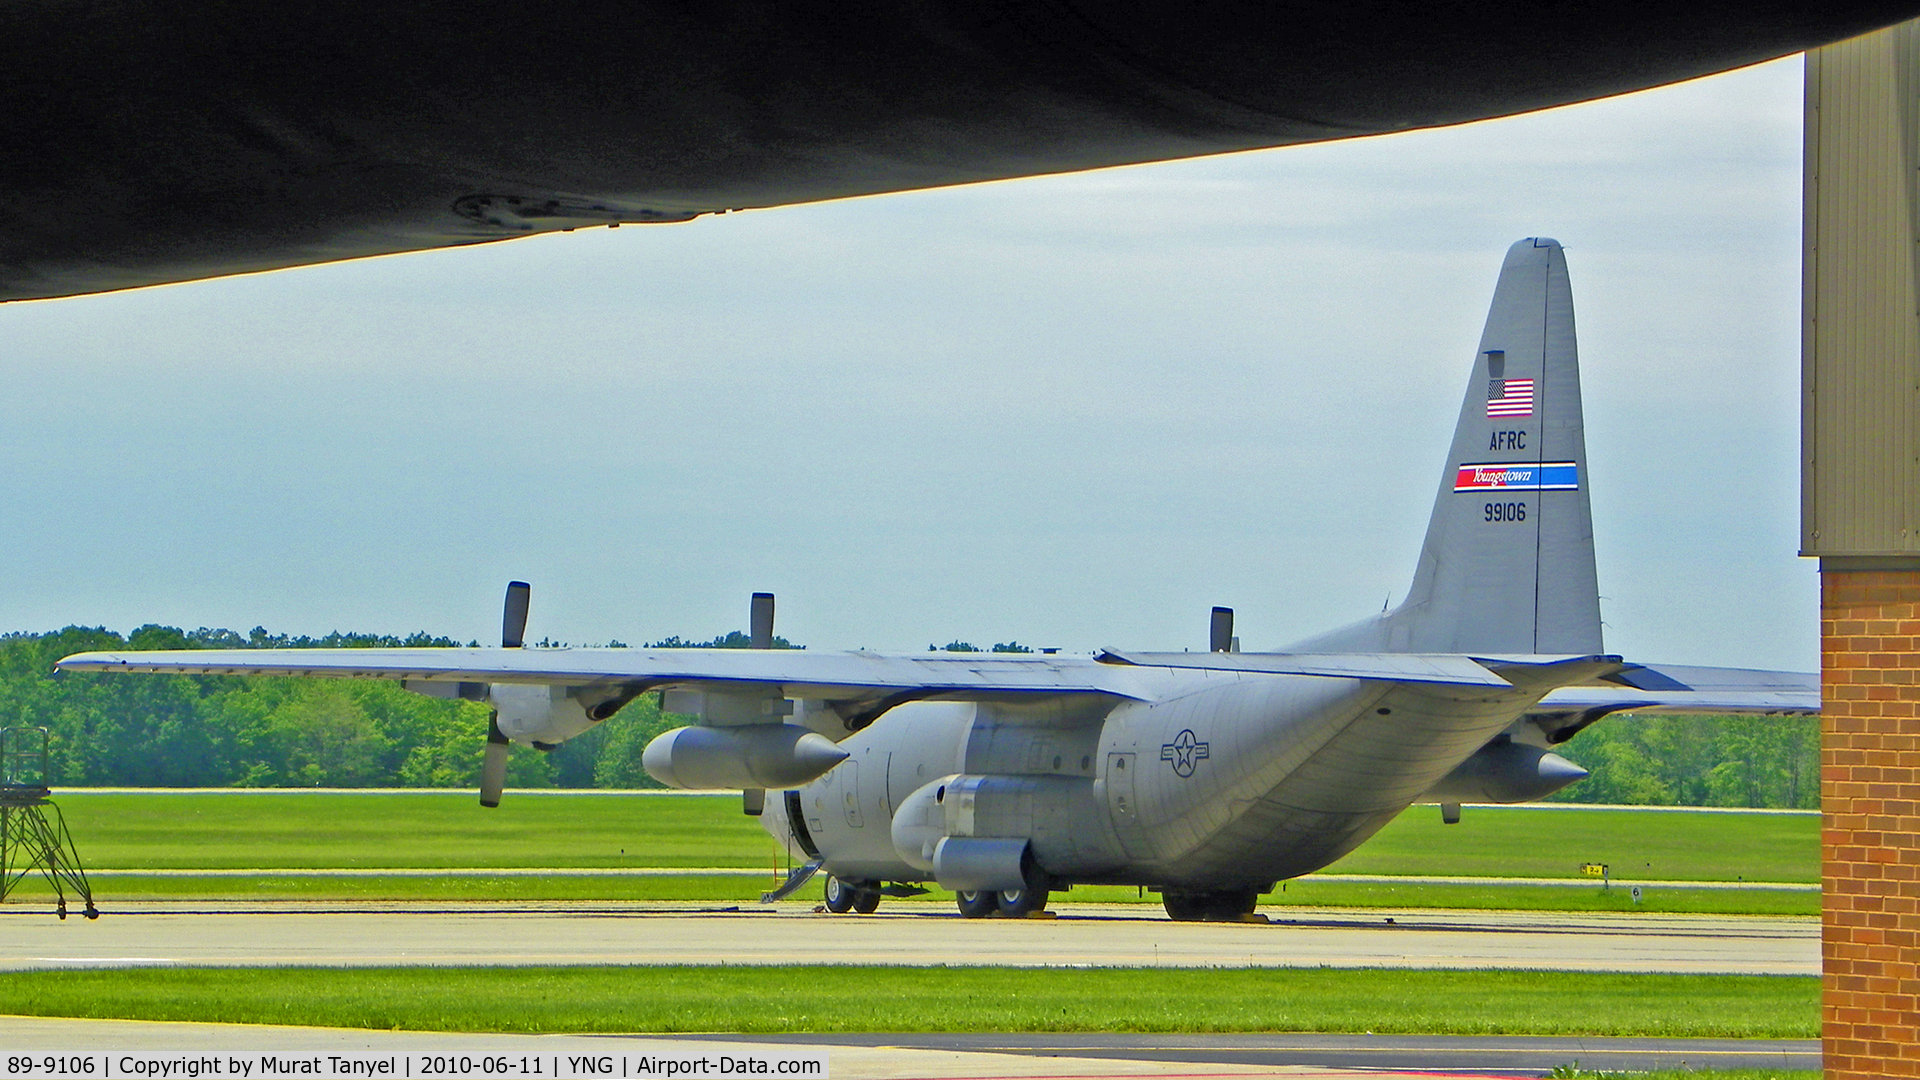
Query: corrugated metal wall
1860	493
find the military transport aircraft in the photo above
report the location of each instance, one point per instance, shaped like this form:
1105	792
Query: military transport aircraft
1208	776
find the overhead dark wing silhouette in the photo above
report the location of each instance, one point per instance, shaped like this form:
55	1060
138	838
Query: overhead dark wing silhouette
143	141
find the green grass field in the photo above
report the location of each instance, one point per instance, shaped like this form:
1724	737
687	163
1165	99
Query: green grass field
307	829
288	829
446	831
282	831
824	999
1310	893
1526	841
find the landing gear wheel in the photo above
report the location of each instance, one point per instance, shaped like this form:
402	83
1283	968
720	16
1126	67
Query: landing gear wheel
977	905
1181	907
840	895
1235	903
866	900
1019	903
1217	905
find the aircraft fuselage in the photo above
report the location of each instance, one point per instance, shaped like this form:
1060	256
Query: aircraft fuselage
1223	780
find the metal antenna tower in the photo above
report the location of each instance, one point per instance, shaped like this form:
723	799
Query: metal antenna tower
33	834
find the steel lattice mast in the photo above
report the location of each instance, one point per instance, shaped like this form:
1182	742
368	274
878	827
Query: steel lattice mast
33	832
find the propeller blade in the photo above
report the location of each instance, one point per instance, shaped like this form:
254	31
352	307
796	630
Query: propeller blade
513	635
493	769
513	621
1220	638
762	620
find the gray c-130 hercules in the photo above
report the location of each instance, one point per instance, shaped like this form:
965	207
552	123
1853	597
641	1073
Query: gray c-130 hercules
1208	776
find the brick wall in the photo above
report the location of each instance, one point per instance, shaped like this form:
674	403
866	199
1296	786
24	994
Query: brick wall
1870	838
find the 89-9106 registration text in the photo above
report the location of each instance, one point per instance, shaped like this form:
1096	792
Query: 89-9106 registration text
668	1063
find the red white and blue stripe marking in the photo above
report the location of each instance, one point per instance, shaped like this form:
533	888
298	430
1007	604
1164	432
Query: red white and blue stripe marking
1518	476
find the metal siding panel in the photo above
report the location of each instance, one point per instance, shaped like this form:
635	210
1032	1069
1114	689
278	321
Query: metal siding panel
1809	292
1860	338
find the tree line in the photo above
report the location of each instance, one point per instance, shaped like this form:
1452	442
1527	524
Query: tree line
258	731
1658	760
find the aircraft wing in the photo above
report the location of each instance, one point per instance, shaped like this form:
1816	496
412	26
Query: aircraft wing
793	672
805	674
148	142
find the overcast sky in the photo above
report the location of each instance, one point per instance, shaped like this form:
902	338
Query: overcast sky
1073	411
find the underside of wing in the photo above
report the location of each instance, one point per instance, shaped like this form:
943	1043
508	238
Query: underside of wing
1444	668
149	143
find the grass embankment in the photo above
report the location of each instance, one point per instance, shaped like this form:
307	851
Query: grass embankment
291	831
830	999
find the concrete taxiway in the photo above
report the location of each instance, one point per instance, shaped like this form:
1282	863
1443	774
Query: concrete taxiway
363	934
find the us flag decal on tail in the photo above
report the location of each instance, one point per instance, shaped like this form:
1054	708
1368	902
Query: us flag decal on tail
1510	397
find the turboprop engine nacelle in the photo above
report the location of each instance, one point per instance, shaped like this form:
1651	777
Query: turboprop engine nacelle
1505	772
736	758
541	716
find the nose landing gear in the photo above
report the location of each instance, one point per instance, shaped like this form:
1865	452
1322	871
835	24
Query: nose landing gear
861	897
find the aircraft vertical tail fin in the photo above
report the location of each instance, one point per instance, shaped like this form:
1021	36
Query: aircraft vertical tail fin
1507	566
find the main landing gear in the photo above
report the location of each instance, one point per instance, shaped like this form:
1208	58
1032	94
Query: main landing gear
1213	905
1013	903
977	905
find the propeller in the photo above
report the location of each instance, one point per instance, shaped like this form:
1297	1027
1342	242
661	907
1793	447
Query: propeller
762	621
513	620
760	624
513	635
1220	636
